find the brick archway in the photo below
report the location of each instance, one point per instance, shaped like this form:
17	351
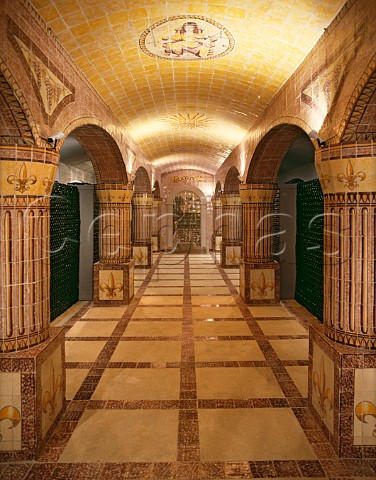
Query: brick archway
270	152
232	181
142	181
104	153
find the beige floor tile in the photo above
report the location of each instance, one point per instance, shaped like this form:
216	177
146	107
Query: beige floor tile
162	300
204	271
81	351
282	327
75	377
124	436
291	349
106	312
209	290
158	312
213	300
166	283
153	329
228	350
269	311
239	328
91	329
299	375
252	434
167	276
216	312
138	384
253	382
164	291
145	351
207	283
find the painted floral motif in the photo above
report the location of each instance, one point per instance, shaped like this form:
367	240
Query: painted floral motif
233	257
139	256
50	397
111	288
262	286
22	183
325	394
351	179
189	121
364	410
10	413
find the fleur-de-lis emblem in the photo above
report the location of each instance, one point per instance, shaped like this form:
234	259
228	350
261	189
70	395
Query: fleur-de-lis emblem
350	179
48	184
111	287
233	257
10	413
22	183
364	409
50	396
139	257
262	286
325	394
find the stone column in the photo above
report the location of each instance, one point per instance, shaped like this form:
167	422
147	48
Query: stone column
114	273
156	224
217	224
32	380
259	273
141	229
231	230
342	362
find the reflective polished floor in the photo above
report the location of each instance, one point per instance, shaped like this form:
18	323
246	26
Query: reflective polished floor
187	382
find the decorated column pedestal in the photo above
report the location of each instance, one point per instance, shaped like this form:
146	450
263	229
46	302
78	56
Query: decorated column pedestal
141	229
114	273
156	224
32	372
342	357
217	224
231	230
259	273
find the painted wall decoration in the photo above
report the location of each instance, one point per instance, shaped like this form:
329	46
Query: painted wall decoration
186	38
233	255
52	389
365	407
189	121
323	386
111	285
140	254
10	411
262	284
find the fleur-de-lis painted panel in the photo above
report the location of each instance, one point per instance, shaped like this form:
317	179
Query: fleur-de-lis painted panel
262	284
323	386
365	407
52	389
111	285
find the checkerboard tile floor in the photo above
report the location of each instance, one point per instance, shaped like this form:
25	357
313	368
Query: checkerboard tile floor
187	382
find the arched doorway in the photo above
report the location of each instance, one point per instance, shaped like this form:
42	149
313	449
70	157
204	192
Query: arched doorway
167	223
187	222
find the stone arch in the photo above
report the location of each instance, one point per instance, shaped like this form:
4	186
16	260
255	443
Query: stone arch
157	190
358	123
142	181
270	152
232	181
18	126
102	149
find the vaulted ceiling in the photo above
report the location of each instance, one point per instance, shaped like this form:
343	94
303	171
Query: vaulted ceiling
188	79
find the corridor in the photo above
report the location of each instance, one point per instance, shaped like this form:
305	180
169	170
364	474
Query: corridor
187	382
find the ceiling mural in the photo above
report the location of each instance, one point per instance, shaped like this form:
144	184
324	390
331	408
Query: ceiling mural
188	79
187	38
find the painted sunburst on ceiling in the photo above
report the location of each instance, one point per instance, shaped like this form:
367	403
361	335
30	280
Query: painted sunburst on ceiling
186	120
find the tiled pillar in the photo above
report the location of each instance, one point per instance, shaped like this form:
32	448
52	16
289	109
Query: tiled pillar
231	230
259	273
141	229
217	224
156	224
32	386
114	273
342	364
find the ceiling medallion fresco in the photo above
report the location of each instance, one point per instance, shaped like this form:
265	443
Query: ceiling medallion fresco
181	120
186	38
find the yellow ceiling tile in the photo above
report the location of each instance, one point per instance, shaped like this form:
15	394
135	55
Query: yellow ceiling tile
98	23
49	13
